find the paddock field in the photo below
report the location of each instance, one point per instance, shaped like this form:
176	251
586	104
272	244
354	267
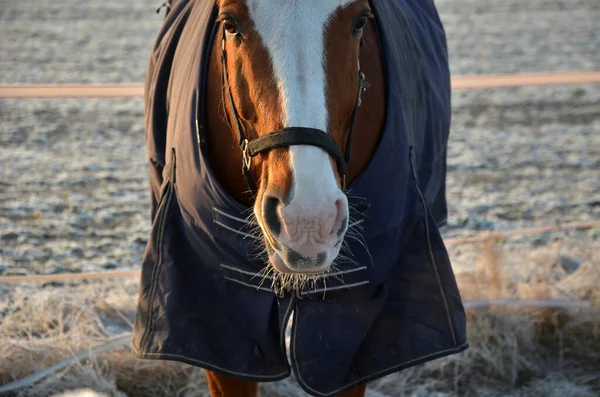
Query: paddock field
74	198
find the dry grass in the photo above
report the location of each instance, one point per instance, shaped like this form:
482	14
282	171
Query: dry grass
514	352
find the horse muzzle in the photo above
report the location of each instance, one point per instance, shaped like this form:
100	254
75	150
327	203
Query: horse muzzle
304	237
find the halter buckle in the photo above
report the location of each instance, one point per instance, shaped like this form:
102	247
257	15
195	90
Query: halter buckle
245	156
362	87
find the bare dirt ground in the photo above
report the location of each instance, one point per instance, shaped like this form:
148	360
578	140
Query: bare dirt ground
74	197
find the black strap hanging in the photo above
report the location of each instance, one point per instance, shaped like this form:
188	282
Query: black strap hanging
361	88
235	124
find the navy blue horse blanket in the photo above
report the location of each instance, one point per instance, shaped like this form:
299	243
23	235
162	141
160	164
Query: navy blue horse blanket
201	300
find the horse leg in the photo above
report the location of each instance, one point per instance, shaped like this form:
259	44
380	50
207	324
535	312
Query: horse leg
358	392
224	386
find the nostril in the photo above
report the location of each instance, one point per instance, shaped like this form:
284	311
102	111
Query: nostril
270	214
341	221
321	257
342	228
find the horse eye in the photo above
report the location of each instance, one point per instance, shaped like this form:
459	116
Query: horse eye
360	24
230	26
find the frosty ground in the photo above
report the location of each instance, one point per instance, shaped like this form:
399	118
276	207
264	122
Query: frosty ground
74	183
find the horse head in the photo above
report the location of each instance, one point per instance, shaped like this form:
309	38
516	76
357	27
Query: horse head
291	82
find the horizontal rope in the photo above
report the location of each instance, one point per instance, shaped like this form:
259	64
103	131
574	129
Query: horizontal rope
126	338
112	344
58	91
520	232
68	277
137	90
536	304
524	80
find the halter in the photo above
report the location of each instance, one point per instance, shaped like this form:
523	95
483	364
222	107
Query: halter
287	136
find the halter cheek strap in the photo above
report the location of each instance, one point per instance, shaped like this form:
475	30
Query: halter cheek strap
234	120
287	136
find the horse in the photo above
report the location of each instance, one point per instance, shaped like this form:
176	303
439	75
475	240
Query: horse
279	155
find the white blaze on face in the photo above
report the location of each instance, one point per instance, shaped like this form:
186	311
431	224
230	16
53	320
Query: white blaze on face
293	33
